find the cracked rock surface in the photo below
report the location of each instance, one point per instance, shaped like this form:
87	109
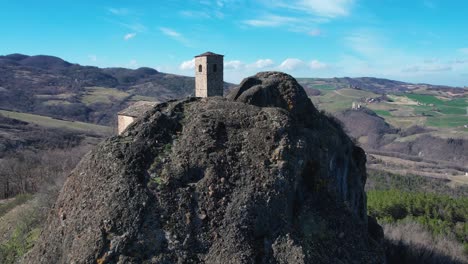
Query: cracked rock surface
258	177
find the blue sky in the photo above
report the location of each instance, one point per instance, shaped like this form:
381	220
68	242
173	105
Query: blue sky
416	41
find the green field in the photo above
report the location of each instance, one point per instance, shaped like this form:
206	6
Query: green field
338	100
383	113
103	95
56	123
447	121
441	113
404	110
142	98
425	99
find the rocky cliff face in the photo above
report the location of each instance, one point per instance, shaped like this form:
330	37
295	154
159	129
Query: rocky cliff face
258	177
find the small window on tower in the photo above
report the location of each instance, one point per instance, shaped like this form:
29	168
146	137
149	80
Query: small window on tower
200	68
215	67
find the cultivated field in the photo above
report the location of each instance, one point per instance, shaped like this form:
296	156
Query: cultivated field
46	121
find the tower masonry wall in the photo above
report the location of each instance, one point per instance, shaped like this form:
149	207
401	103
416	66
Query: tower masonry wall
209	82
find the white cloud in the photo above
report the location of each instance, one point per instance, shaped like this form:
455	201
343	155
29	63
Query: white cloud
194	14
412	69
270	21
317	65
322	8
431	68
463	51
300	24
187	65
327	8
291	64
92	57
262	63
460	61
129	36
438	68
233	65
314	32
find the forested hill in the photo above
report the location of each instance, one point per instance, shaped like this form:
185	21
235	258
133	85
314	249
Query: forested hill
51	86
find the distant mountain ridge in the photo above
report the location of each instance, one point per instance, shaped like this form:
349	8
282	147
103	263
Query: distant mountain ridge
51	86
376	85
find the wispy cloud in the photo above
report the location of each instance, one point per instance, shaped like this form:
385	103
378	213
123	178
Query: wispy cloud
300	16
170	32
303	25
438	68
411	69
133	26
460	61
174	35
270	21
315	32
126	18
322	8
92	57
130	36
431	68
119	11
195	14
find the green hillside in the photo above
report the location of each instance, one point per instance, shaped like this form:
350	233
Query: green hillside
46	121
419	106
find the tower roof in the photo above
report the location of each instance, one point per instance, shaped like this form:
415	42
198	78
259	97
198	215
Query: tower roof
208	53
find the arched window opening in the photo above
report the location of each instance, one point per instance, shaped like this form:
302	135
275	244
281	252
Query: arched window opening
200	68
215	67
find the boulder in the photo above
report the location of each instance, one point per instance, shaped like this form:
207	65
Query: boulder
258	177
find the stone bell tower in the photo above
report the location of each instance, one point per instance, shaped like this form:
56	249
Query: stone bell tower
209	75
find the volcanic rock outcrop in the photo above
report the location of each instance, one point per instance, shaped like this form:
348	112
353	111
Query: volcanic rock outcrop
258	177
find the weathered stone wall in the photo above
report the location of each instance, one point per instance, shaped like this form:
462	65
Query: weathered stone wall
208	82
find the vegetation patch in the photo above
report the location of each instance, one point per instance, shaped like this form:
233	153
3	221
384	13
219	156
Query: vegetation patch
441	215
425	99
447	121
18	200
383	113
103	95
421	216
55	123
25	234
142	98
